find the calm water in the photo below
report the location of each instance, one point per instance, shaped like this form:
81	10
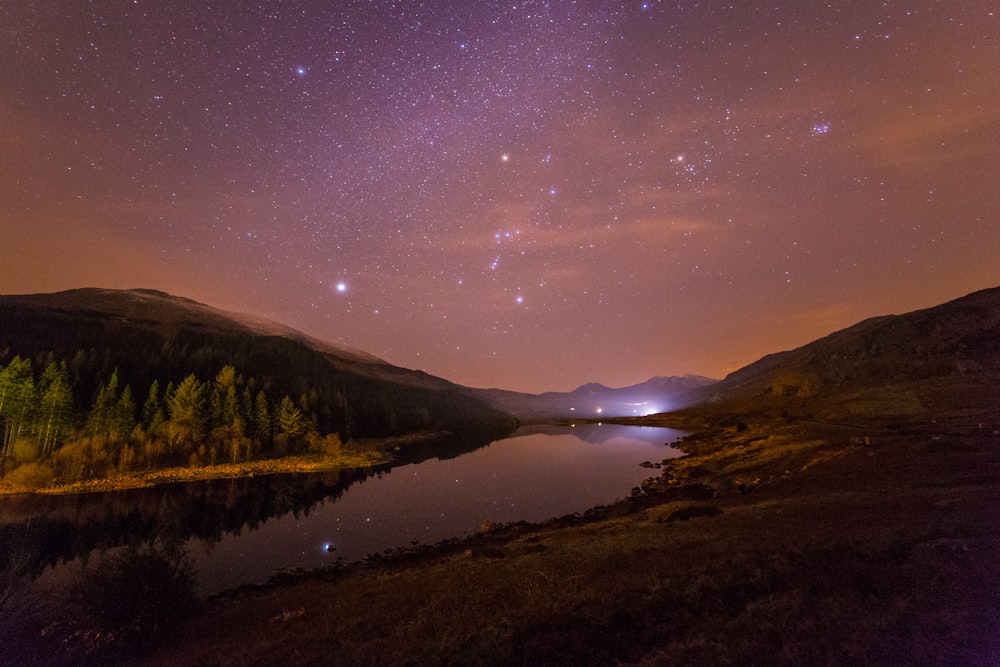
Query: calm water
244	531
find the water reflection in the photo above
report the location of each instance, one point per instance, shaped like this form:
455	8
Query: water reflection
39	532
535	475
243	531
603	433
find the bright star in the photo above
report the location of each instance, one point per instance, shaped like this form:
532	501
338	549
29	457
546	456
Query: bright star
341	287
300	71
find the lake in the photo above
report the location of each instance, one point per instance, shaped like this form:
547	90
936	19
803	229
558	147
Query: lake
244	531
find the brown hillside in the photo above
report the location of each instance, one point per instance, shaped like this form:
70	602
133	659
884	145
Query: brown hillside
939	360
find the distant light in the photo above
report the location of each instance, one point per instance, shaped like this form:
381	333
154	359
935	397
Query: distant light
645	408
341	287
600	410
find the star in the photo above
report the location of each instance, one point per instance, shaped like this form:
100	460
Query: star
598	149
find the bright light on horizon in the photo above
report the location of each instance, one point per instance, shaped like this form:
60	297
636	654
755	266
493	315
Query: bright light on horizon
646	408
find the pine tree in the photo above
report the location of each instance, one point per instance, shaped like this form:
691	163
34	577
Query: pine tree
262	422
123	417
56	404
225	400
17	400
291	422
152	410
186	407
101	419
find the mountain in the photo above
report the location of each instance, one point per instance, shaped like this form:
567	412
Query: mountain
149	335
658	394
941	361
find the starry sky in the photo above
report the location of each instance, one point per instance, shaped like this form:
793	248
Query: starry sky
521	194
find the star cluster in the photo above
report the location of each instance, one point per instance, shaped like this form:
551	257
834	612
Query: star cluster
524	194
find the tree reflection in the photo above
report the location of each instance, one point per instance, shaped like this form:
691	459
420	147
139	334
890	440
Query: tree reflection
46	531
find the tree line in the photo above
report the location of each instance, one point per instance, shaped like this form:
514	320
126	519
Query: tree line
51	432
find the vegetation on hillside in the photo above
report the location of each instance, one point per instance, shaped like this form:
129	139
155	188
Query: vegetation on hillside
64	421
102	382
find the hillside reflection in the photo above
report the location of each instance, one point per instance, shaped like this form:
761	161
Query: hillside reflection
600	434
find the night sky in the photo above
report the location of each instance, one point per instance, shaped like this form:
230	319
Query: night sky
527	195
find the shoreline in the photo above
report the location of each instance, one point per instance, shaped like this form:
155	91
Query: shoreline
738	535
750	547
372	453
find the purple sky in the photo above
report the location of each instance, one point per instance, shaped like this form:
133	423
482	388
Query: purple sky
528	195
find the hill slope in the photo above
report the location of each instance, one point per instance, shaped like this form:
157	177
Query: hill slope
943	360
149	335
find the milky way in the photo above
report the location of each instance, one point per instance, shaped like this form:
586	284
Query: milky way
528	195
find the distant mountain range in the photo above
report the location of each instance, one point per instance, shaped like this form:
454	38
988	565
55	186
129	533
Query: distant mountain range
595	401
941	361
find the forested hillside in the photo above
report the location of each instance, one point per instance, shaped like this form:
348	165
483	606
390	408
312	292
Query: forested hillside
95	382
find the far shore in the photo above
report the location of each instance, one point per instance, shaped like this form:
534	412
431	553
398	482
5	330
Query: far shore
370	453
